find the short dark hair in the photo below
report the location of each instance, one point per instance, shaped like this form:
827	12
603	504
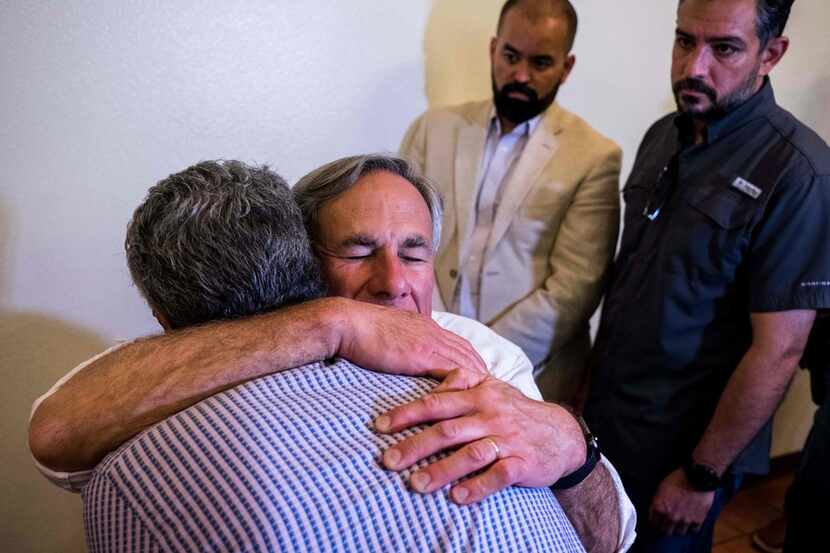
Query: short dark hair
770	18
220	240
561	7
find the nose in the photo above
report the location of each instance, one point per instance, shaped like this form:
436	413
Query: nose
388	280
521	71
697	63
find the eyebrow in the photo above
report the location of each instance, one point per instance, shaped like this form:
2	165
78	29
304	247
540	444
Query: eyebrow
508	46
359	240
364	240
729	38
416	241
534	57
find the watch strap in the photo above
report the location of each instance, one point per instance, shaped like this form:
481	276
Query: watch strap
702	477
591	459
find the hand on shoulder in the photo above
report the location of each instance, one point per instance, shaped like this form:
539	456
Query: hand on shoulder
519	441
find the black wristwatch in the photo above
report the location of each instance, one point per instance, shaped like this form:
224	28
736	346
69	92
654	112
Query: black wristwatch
703	478
591	458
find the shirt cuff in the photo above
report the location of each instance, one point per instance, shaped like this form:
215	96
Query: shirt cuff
70	481
628	516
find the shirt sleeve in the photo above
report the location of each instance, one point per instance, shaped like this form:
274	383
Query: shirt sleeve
69	481
504	359
789	254
628	516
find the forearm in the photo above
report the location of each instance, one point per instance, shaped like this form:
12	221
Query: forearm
124	392
750	398
594	510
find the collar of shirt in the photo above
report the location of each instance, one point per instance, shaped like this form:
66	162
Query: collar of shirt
756	106
514	142
523	129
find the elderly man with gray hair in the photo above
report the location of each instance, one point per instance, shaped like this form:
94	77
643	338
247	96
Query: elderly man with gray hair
373	224
285	461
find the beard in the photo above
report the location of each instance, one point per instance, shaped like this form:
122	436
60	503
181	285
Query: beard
518	111
718	107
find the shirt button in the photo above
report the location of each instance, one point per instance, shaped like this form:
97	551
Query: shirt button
453	273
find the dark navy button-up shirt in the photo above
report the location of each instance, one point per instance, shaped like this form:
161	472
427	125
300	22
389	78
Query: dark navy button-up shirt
713	232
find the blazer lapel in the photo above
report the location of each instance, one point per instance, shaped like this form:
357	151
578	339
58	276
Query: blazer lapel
540	148
469	149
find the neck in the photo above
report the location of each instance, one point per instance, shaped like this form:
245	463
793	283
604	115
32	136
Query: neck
699	125
506	125
698	131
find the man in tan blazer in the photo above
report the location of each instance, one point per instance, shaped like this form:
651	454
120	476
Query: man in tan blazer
532	198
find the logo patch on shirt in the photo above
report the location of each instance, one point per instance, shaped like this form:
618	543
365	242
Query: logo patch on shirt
746	187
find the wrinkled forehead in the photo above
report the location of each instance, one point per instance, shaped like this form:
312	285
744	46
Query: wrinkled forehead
381	206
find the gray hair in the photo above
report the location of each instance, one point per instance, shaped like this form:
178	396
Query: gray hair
220	240
335	178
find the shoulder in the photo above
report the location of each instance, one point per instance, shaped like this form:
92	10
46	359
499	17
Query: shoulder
577	129
657	135
469	329
660	128
467	113
482	337
808	149
505	360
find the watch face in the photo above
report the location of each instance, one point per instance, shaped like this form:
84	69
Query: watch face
702	477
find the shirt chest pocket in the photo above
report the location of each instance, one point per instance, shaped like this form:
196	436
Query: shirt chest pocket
709	232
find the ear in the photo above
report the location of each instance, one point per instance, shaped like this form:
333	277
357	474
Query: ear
772	54
570	61
163	320
493	42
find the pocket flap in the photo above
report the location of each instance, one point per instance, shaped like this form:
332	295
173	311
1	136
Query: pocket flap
725	206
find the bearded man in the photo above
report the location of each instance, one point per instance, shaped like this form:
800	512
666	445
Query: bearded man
724	261
532	195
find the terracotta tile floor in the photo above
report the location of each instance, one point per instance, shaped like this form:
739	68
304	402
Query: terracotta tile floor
756	505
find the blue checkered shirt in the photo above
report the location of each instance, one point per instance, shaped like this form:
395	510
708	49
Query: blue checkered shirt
289	462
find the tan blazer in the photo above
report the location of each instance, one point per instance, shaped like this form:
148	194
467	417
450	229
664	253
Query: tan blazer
553	236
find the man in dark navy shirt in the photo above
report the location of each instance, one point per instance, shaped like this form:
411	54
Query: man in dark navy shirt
725	257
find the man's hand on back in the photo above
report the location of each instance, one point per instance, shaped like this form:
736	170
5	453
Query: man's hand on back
402	342
524	442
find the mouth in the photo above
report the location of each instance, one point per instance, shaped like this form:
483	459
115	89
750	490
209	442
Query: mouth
518	96
693	97
694	91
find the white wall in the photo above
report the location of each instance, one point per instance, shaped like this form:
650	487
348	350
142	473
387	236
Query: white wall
98	100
